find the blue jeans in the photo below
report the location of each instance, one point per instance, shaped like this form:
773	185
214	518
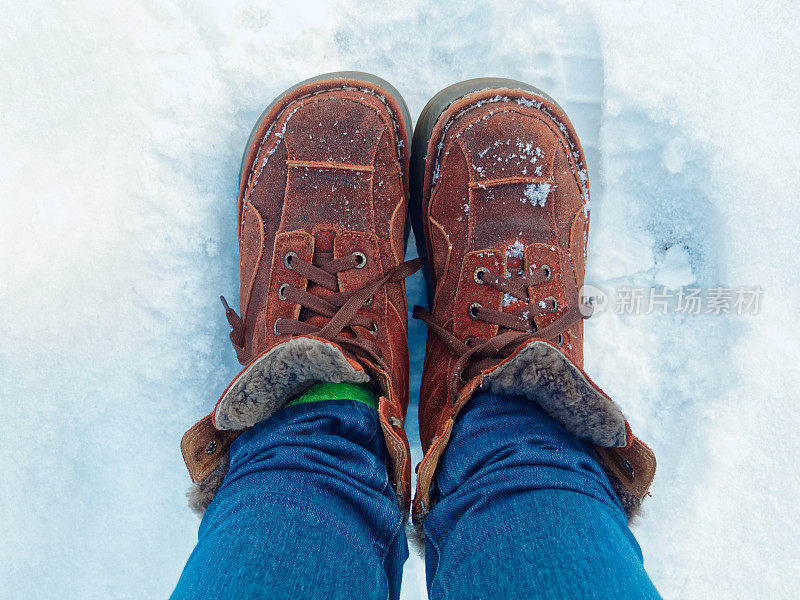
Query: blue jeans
307	511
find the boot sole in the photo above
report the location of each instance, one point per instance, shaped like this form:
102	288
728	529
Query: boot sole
355	76
419	149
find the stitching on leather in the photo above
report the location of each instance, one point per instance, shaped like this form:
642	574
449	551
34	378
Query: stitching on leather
461	322
321	164
371	202
300	240
544	253
401	210
470	212
348	88
402	207
487	183
431	219
569	242
249	206
451	120
542	108
551	211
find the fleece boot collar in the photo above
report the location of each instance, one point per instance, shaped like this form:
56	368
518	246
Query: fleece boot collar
261	389
539	371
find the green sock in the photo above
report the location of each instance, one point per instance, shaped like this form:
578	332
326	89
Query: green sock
359	392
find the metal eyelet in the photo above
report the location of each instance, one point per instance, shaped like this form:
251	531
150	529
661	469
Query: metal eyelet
473	310
548	272
287	259
374	329
395	422
560	339
369	301
554	301
462	376
275	328
282	291
211	447
361	260
478	275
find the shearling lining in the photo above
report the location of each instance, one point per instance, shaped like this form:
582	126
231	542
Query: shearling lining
541	372
264	387
276	376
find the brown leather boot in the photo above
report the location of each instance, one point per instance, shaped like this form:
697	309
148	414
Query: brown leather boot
500	207
323	198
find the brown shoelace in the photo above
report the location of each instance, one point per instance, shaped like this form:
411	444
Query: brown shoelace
477	354
341	308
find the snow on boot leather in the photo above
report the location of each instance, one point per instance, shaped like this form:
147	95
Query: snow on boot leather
500	206
322	207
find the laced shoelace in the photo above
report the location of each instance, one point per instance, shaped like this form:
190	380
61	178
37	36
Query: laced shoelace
340	308
476	354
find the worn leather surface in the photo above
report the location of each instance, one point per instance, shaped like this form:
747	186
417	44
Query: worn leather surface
505	183
327	171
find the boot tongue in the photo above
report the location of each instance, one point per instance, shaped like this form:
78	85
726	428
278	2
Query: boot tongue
515	264
323	252
323	242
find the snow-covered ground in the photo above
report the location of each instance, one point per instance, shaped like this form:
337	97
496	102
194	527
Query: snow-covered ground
121	130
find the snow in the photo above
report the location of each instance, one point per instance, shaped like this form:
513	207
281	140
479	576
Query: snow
537	193
516	250
121	137
673	269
